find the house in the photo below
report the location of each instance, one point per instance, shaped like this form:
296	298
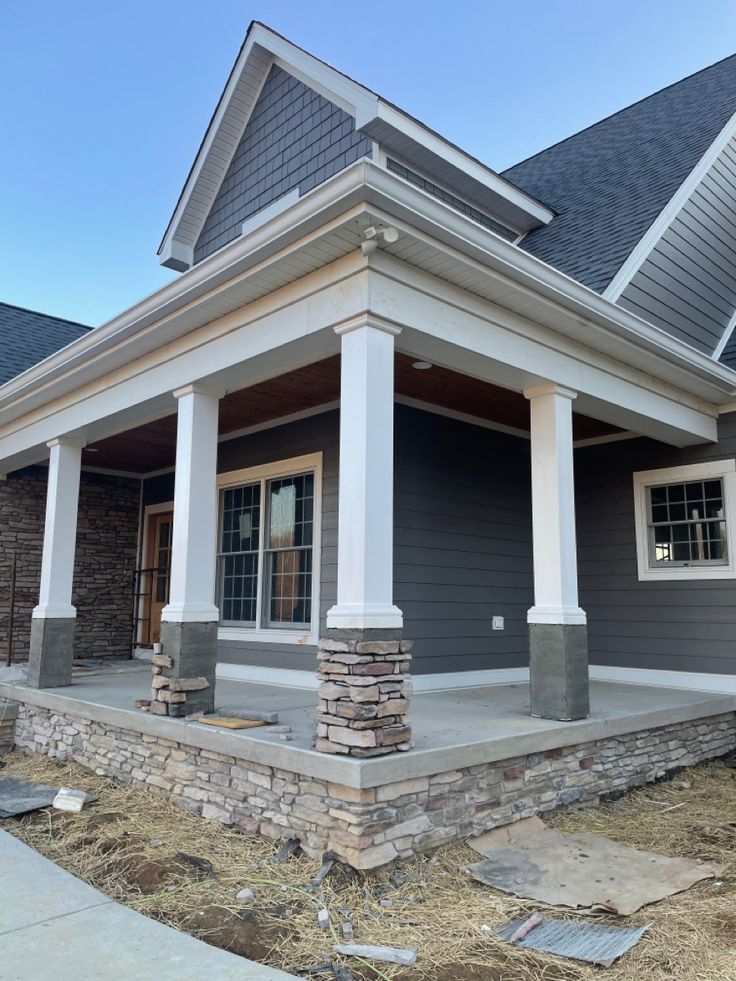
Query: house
403	418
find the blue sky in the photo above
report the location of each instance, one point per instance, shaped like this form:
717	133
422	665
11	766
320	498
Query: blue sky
102	106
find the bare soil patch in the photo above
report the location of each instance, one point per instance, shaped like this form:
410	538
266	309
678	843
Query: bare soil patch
139	848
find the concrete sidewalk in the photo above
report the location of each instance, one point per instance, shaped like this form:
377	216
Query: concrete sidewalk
54	926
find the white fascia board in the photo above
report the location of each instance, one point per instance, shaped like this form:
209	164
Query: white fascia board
670	211
514	205
721	346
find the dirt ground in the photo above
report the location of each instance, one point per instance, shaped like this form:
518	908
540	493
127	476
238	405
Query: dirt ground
147	853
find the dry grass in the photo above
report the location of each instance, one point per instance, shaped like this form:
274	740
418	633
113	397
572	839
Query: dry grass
126	844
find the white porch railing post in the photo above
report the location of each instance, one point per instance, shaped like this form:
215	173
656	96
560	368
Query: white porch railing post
364	661
53	619
189	620
557	625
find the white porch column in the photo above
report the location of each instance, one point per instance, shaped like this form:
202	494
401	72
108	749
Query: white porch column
557	625
366	485
363	662
52	625
186	679
192	584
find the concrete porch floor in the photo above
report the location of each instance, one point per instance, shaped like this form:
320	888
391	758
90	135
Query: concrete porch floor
451	729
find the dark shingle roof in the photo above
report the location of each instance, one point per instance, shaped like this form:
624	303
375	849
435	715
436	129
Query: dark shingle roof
27	337
609	182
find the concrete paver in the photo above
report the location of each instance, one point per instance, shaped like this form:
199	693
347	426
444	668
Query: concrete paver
54	927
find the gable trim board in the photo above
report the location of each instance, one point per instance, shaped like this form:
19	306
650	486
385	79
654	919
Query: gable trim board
261	50
727	334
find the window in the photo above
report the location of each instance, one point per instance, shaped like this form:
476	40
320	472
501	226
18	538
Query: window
268	550
683	521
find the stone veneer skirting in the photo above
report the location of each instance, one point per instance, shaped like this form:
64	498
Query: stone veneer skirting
370	827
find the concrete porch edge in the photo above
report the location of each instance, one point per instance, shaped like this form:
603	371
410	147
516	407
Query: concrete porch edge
376	772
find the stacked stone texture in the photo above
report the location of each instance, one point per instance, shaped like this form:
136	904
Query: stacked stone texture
8	715
369	827
104	564
171	695
364	690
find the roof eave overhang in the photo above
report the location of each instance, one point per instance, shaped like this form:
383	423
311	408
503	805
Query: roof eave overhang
365	189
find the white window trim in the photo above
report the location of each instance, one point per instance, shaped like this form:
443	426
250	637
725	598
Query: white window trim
282	468
726	470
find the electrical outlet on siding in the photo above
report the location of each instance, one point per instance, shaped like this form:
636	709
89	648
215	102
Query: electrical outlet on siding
498	623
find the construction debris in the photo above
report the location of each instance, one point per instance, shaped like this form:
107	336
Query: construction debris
69	800
229	722
593	942
290	847
324	871
392	955
580	871
323	919
245	895
252	715
22	796
347	931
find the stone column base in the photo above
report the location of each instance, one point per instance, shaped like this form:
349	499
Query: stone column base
184	672
558	661
364	690
52	652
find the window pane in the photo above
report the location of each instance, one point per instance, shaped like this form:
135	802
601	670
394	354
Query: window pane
239	587
680	529
291	502
290	597
241	518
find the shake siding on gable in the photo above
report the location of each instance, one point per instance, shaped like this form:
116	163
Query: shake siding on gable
686	626
462	539
687	284
294	139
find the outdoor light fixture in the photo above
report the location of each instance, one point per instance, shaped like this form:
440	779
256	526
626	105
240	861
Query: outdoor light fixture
421	365
378	233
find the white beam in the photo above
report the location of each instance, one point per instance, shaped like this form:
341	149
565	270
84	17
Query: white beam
60	531
553	507
194	543
365	521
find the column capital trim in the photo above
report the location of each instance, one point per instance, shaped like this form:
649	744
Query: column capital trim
53	611
556	614
537	391
199	388
75	441
190	613
367	320
368	616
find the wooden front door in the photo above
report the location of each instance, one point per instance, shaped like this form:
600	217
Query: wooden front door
159	565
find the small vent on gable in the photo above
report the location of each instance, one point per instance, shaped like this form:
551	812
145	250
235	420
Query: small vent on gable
455	203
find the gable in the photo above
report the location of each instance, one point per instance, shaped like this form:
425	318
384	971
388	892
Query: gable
687	282
609	182
294	140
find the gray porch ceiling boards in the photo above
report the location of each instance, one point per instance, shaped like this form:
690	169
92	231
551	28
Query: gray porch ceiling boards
152	447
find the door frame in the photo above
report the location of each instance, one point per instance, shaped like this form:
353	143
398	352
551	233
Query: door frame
149	511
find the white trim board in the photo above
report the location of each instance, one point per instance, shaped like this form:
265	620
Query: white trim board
665	218
456	680
721	345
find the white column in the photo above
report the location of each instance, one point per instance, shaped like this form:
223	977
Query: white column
194	543
366	518
60	531
553	507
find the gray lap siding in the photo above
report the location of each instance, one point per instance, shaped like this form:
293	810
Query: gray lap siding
684	626
462	550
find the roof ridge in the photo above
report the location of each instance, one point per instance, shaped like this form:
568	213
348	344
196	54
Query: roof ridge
618	112
49	316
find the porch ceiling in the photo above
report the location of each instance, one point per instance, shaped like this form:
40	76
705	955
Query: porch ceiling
152	447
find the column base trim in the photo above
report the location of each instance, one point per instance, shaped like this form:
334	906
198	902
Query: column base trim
190	613
356	616
51	611
557	615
